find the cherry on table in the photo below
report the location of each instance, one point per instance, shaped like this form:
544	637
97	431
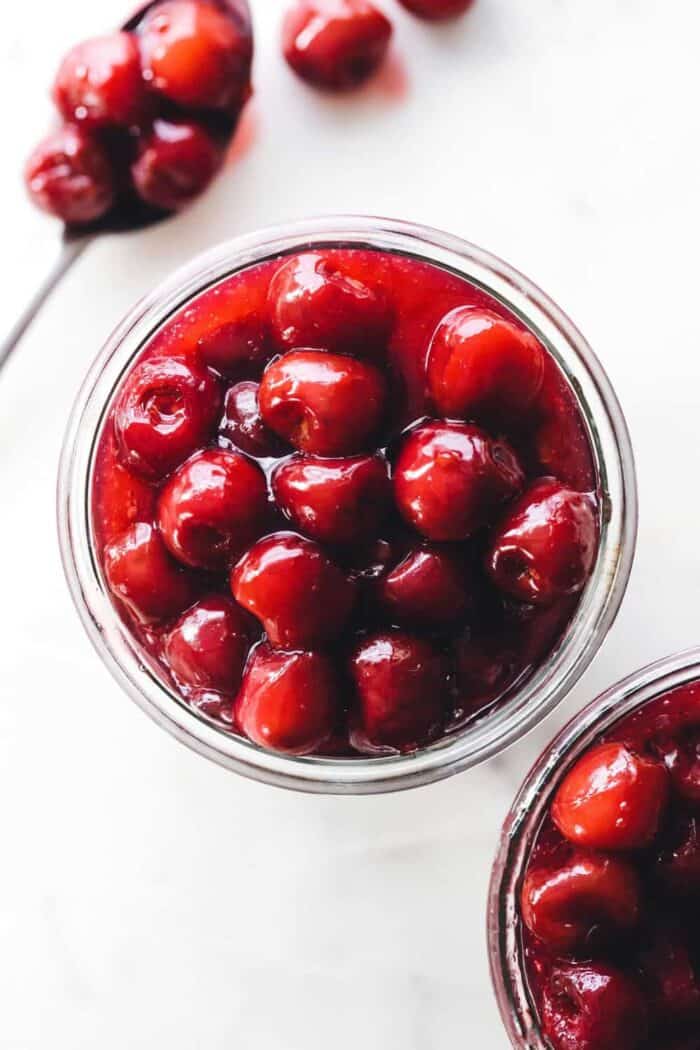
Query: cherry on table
322	403
437	10
450	479
212	508
336	501
335	46
166	410
292	587
69	175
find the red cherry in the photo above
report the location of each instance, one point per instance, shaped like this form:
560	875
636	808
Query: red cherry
401	692
237	347
195	55
430	586
208	645
483	367
142	575
316	303
592	1006
545	547
166	409
341	501
69	175
436	10
288	701
322	403
99	82
612	799
301	598
212	508
451	478
589	896
176	162
335	45
242	425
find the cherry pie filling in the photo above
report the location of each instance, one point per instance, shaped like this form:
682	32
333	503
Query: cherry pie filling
610	895
346	501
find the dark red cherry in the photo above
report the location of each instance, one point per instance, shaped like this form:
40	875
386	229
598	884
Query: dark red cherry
288	701
99	82
401	692
338	501
176	162
208	646
194	54
436	10
300	596
429	586
593	1006
545	547
316	303
612	799
141	573
166	410
242	425
335	46
483	367
322	403
450	479
212	507
69	176
590	895
237	347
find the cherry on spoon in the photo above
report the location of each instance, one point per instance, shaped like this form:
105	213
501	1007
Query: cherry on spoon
194	117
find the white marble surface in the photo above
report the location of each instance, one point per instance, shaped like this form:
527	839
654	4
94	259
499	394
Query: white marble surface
148	898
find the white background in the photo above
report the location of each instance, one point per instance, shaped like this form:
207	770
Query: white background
148	898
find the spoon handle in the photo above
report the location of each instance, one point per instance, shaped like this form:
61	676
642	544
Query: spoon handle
71	249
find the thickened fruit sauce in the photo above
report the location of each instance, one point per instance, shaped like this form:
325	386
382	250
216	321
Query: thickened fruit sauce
346	501
609	898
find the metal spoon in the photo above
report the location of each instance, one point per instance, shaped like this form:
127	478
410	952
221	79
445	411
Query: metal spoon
132	216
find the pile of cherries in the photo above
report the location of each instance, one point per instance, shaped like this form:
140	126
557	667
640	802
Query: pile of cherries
147	113
610	897
317	562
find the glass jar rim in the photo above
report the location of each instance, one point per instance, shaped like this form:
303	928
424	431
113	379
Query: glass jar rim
532	802
547	685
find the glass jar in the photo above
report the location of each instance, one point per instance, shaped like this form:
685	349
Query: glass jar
524	821
599	602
